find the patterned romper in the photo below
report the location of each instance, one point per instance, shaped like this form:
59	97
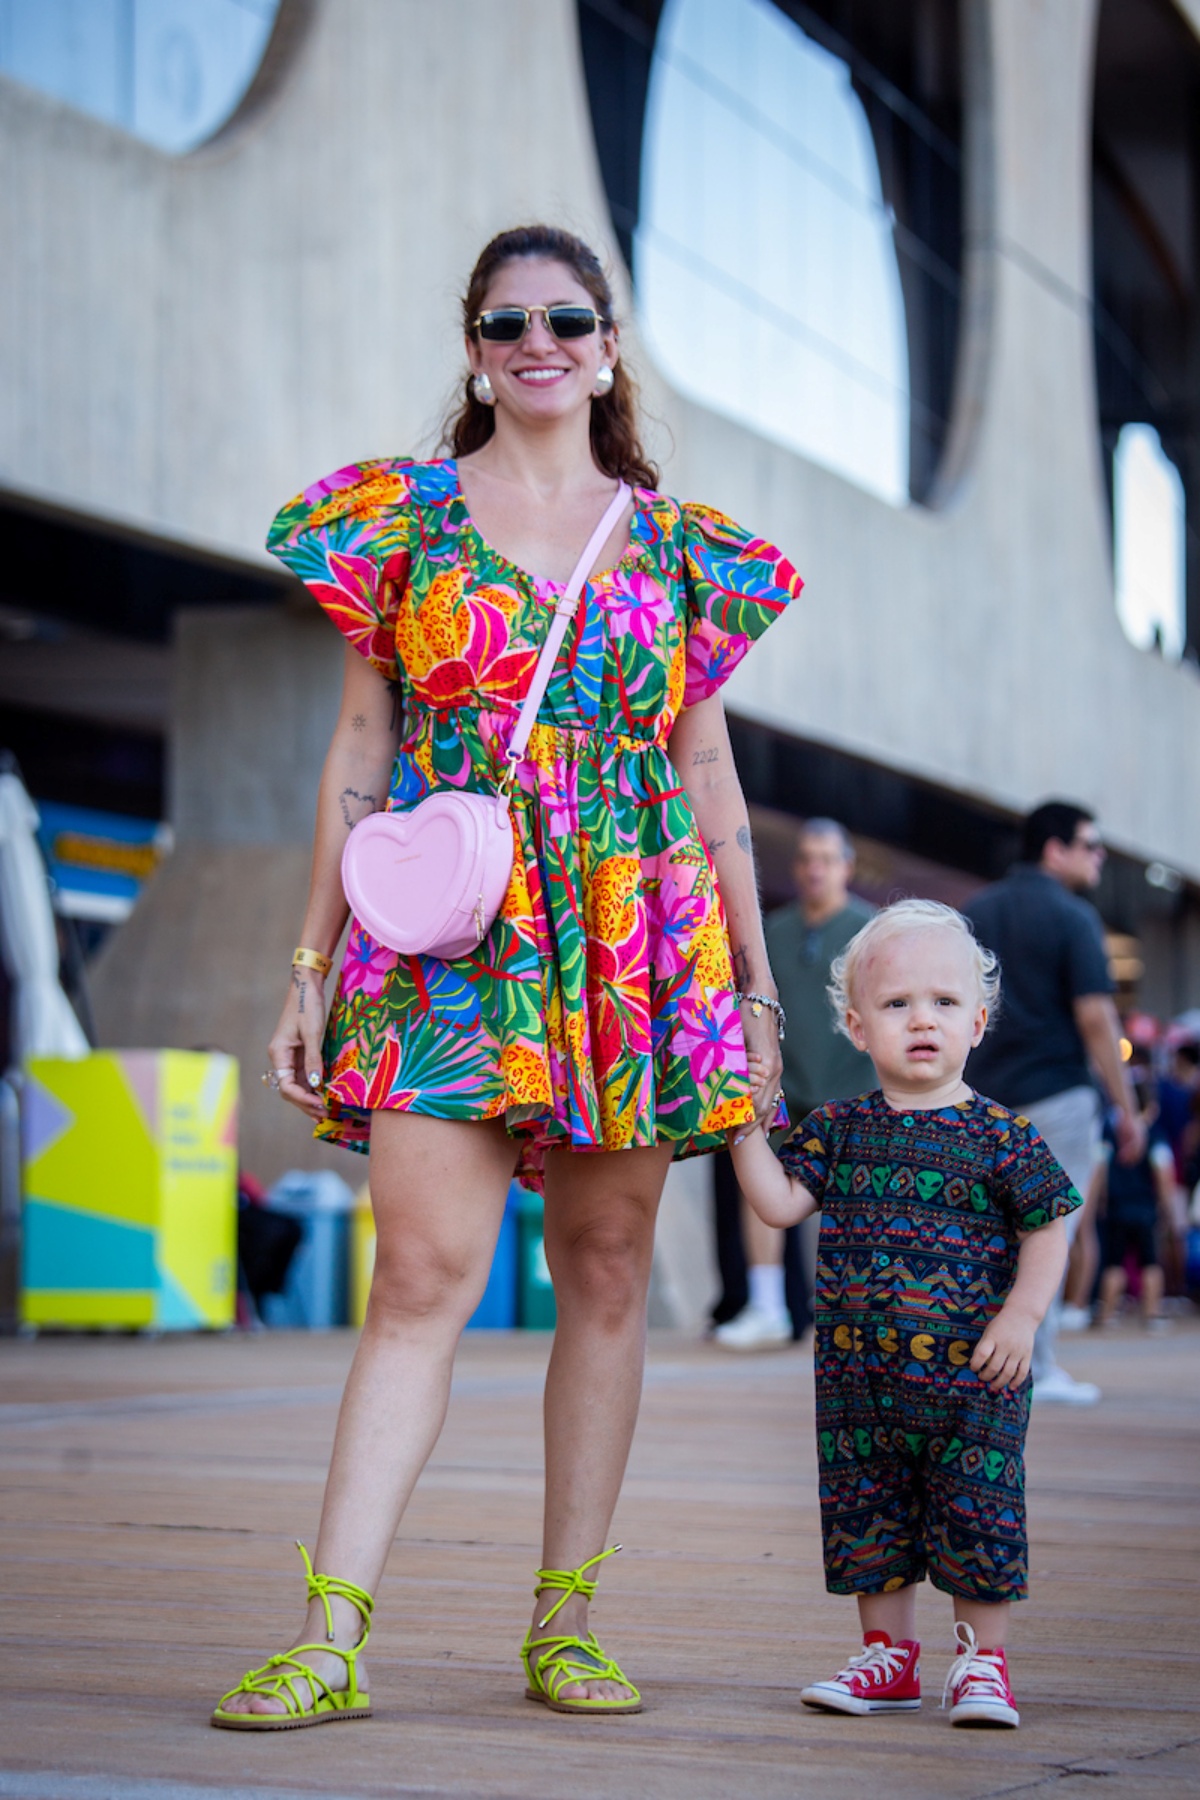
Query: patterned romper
921	1466
598	1013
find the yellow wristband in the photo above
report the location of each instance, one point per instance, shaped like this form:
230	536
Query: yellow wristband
311	959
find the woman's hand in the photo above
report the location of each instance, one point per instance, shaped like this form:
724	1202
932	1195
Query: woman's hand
765	1061
354	782
702	755
295	1048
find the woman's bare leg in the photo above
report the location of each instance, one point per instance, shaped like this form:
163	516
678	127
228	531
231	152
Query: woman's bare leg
600	1214
437	1190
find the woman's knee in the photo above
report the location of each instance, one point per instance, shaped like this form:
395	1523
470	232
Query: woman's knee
423	1282
603	1264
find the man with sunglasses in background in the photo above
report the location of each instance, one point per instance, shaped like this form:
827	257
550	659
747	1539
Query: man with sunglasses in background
1057	1031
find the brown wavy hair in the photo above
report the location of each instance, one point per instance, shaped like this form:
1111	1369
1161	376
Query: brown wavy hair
615	428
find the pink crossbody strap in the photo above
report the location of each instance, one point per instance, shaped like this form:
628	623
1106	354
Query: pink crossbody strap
564	612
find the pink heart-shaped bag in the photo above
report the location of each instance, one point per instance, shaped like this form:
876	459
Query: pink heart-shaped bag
429	882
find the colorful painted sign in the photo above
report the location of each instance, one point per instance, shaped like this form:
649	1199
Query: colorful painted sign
129	1213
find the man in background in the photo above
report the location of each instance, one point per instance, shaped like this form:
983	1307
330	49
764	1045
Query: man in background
1057	1023
818	1064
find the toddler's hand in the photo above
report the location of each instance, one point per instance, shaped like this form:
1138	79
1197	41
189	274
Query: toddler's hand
758	1073
1002	1355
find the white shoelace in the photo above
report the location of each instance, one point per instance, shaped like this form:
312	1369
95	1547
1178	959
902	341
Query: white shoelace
882	1660
980	1668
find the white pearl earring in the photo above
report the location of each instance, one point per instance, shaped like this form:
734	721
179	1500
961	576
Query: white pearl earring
604	381
483	390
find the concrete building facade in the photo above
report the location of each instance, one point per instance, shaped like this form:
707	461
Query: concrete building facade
187	340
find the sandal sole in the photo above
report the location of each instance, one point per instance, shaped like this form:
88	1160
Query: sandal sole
285	1721
611	1707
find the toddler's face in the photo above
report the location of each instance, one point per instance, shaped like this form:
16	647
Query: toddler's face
917	1010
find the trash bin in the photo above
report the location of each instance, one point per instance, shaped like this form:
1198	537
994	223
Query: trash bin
497	1310
535	1290
316	1294
129	1213
362	1253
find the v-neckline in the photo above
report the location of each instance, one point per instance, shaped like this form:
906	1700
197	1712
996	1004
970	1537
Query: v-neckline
544	583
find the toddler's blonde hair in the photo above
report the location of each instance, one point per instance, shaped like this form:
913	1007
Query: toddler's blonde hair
890	921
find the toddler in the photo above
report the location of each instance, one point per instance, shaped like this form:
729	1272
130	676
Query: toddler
942	1244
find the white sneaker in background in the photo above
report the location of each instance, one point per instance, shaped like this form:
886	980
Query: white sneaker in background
1074	1318
1064	1390
754	1329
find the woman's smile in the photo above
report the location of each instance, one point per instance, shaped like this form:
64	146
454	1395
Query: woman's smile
539	376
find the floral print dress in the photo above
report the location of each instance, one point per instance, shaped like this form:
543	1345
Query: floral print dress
598	1013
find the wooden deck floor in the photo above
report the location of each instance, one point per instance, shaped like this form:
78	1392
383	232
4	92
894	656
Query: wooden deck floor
149	1493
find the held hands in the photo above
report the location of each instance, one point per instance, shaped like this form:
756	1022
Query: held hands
765	1068
769	1189
295	1049
1002	1355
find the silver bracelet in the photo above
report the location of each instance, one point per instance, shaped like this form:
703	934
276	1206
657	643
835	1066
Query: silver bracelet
756	1002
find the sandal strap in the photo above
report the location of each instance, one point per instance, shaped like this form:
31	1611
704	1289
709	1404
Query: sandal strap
278	1676
571	1581
320	1587
555	1668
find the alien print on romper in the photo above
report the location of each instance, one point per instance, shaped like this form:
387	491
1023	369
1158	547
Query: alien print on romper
921	1465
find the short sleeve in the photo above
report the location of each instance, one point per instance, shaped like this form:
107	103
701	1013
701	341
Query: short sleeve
346	537
1087	959
807	1153
1031	1186
736	586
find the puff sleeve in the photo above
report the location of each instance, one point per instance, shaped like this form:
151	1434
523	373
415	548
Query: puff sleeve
736	586
347	538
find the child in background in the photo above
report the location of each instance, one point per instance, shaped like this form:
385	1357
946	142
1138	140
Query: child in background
942	1244
1135	1204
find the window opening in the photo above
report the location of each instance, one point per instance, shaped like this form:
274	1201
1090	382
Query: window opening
785	176
170	72
1148	536
1146	312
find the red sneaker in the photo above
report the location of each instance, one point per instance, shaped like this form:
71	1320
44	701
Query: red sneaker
883	1677
977	1685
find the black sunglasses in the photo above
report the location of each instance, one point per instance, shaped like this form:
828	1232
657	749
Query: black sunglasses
508	324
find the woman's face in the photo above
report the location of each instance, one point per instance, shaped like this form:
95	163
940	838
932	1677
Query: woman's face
540	379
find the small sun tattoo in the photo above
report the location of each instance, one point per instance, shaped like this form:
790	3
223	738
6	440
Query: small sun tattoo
359	721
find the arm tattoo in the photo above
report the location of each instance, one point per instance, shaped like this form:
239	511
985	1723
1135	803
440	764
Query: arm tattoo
745	842
717	844
741	967
359	722
367	802
711	755
300	983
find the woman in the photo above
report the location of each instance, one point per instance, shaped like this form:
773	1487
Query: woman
598	1030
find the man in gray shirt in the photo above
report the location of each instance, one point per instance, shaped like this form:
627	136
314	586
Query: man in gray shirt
819	1064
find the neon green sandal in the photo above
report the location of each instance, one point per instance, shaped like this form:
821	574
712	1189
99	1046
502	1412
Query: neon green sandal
280	1674
553	1663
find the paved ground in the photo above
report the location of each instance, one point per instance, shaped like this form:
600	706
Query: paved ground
149	1492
